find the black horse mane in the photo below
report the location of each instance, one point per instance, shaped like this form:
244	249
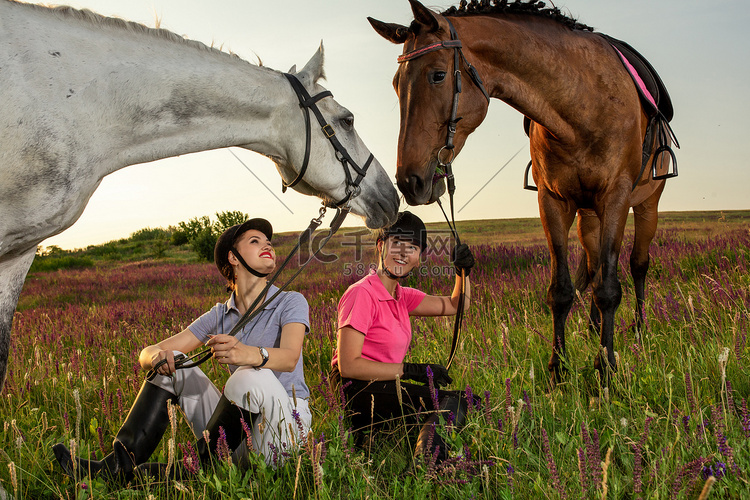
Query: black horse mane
530	7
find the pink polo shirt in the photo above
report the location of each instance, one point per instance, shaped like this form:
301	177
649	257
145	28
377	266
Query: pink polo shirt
367	307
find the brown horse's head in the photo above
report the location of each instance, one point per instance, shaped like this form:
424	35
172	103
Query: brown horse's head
425	87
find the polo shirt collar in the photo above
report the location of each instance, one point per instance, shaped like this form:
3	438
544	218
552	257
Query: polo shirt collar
231	304
379	289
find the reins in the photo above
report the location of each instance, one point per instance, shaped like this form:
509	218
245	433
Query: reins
307	103
458	55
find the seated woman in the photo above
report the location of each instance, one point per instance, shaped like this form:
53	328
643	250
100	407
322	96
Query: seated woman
265	360
375	333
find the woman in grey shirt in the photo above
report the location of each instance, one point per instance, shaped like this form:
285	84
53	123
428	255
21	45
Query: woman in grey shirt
265	396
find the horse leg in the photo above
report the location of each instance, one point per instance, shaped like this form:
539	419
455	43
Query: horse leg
12	274
646	217
588	235
557	217
607	287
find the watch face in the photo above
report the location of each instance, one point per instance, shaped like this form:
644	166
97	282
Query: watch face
264	353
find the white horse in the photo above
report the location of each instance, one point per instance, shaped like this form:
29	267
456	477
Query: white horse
85	95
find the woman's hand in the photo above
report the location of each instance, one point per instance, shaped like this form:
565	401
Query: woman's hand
230	351
462	258
167	368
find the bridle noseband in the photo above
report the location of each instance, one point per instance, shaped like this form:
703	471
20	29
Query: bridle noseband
458	55
309	103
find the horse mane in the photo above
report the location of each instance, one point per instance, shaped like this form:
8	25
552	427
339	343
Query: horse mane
91	17
530	7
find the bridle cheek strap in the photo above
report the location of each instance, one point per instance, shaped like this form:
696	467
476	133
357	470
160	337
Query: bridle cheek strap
308	103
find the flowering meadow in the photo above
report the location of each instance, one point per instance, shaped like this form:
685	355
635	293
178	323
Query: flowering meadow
673	423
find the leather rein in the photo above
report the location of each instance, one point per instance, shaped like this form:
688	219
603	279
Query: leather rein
342	206
447	166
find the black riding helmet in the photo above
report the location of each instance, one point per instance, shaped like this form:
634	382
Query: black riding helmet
226	242
407	227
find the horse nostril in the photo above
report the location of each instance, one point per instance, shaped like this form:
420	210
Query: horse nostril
416	184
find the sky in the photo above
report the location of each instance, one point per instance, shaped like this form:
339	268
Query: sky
699	49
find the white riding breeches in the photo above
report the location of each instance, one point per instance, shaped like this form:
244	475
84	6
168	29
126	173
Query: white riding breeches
276	428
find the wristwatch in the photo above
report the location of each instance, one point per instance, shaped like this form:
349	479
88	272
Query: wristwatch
264	355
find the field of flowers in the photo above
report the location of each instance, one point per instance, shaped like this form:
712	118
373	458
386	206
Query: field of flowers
674	422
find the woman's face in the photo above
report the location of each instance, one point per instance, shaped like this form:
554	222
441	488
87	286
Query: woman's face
257	250
399	256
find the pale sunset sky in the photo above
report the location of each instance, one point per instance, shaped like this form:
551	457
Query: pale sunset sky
699	48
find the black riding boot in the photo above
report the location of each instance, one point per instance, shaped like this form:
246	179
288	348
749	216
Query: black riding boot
450	403
136	440
229	417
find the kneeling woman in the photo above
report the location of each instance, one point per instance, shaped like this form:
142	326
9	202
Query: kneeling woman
266	390
375	334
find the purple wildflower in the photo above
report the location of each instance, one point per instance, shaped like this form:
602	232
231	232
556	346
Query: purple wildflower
189	458
247	428
343	437
724	448
527	401
509	473
717	470
730	399
103	400
583	472
551	463
324	387
433	391
100	432
745	418
66	420
739	345
222	447
686	427
717	418
469	398
596	470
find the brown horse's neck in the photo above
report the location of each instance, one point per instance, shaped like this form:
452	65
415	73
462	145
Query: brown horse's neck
539	67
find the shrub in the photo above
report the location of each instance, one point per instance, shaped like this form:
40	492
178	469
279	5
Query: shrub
148	234
42	263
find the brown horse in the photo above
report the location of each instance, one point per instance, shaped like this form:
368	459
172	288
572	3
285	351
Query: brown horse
587	128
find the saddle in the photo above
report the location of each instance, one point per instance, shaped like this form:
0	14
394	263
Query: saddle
656	103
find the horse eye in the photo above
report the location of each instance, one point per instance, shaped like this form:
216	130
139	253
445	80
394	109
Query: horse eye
437	76
348	122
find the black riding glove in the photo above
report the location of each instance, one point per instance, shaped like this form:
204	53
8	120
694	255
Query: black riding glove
418	373
462	258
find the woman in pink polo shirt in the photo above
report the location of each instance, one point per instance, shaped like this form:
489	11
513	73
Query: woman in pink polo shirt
375	332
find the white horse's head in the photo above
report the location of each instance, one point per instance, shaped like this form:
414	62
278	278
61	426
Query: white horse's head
377	200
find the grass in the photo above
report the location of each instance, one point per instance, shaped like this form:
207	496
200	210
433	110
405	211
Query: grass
675	414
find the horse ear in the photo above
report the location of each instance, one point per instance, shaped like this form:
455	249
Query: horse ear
314	67
424	16
293	69
394	33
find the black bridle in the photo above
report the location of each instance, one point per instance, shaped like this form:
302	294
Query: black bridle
343	206
308	103
447	166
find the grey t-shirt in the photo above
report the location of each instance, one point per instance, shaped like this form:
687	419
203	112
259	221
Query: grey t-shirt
263	331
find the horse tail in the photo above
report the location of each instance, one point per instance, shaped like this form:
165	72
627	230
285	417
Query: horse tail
583	279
